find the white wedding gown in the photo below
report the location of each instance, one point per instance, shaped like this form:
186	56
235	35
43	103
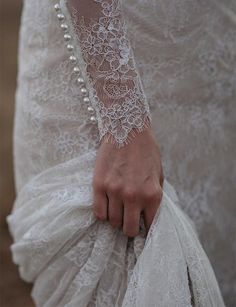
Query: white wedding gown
121	66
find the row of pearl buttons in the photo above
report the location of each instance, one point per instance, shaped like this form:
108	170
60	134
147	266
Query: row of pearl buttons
73	59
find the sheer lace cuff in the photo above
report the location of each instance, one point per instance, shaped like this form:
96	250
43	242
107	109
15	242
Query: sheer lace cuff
106	61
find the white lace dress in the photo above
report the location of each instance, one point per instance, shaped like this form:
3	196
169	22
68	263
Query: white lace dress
93	69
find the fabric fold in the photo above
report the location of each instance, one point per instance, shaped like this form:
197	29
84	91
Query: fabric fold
75	260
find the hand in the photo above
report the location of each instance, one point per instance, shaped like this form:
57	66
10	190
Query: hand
128	181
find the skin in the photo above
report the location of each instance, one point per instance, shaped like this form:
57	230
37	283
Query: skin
128	181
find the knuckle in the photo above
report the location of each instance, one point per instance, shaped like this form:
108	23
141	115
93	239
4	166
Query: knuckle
130	195
113	188
153	195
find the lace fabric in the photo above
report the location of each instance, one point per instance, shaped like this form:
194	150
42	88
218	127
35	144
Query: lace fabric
109	65
75	260
185	52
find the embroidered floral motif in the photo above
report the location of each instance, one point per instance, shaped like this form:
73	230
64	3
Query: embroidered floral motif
117	91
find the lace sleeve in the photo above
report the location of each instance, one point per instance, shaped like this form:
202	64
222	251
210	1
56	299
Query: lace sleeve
106	60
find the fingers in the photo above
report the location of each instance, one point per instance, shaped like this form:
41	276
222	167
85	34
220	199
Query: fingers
131	221
100	204
123	210
151	207
115	211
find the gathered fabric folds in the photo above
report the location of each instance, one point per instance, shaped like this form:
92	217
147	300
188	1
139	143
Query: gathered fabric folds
75	260
92	69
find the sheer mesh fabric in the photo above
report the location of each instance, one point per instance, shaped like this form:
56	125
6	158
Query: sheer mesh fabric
185	52
115	86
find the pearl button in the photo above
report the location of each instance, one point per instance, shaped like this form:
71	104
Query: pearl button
93	119
61	17
83	90
86	100
67	37
80	80
76	69
70	47
90	109
72	58
57	7
64	27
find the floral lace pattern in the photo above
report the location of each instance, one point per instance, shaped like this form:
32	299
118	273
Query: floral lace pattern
185	53
114	82
75	260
